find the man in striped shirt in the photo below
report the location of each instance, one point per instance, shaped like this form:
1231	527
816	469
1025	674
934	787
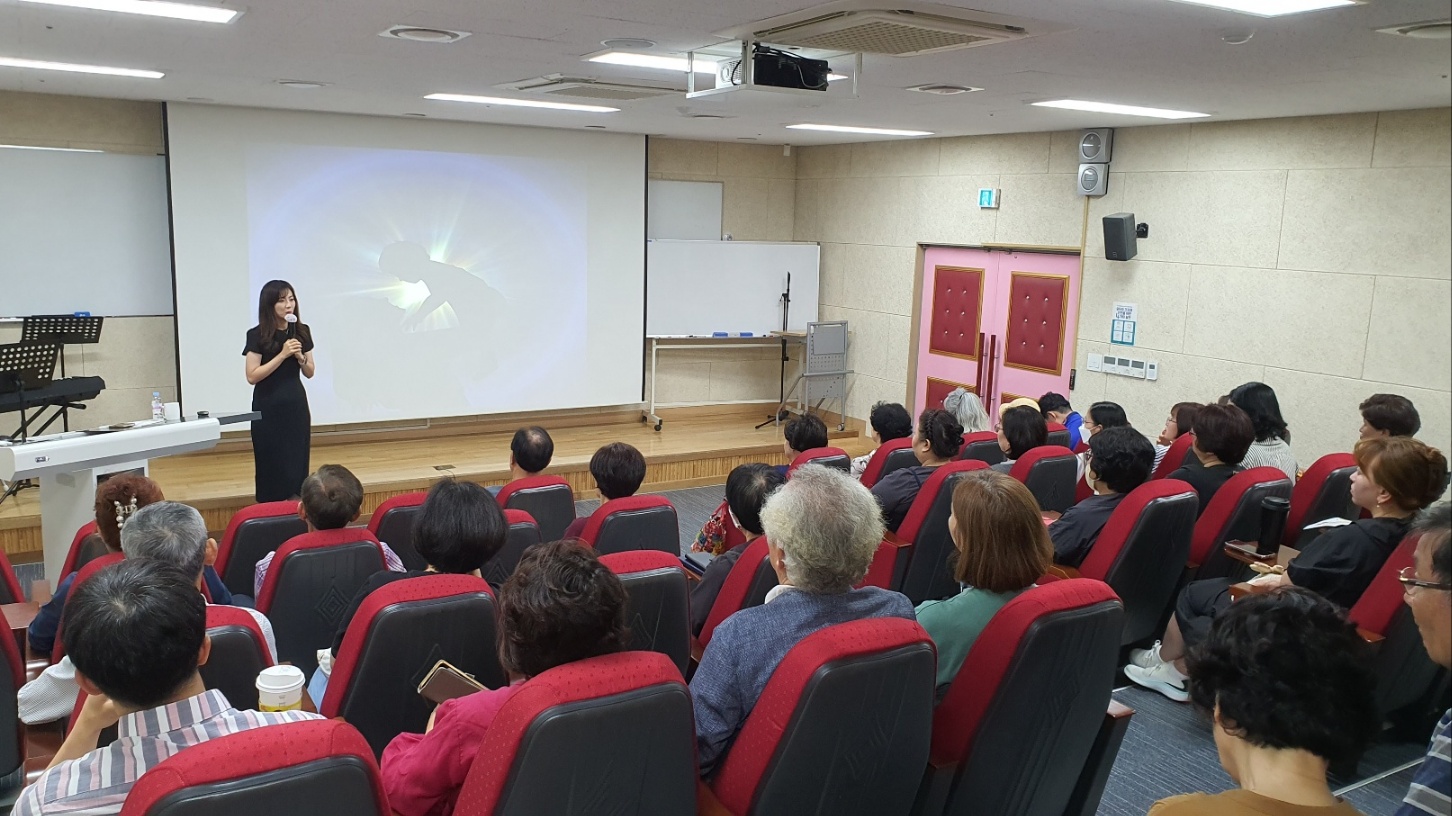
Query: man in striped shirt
1429	593
136	633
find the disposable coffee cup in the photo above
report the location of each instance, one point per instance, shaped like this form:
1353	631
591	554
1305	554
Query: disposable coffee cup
172	411
280	688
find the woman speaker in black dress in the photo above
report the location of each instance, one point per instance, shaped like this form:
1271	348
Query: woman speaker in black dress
279	348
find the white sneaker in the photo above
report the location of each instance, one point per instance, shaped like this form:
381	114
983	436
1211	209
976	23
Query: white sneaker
1162	678
1146	658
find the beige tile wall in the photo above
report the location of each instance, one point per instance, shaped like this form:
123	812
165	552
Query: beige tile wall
136	355
1311	253
759	189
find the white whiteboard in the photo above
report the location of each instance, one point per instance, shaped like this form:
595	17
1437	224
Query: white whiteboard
687	210
84	232
695	288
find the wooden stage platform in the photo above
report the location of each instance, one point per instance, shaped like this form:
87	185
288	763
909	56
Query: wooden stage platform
695	447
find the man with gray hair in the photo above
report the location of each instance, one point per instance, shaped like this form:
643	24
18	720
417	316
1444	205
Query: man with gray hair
822	531
169	532
1427	589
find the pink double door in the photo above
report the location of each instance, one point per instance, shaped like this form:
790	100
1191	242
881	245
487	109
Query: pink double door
1001	324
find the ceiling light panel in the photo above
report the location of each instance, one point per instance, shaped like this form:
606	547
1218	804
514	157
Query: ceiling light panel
1271	8
59	149
656	62
38	65
1122	110
866	131
519	103
151	8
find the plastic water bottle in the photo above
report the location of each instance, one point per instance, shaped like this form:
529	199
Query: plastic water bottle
158	410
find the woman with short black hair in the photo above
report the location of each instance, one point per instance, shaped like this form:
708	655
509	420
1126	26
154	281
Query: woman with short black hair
1285	678
1118	461
618	470
888	421
1020	430
936	442
561	605
1223	433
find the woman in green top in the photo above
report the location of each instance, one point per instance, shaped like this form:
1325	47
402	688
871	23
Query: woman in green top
1003	548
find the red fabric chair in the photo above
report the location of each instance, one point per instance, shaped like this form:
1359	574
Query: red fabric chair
922	572
83	548
894	454
392	523
312	579
1049	472
751	577
1058	435
548	499
12	677
10	591
1322	492
1014	732
252	533
1142	550
982	446
523	534
395	638
634	523
1406	678
239	652
621	724
884	564
843	726
660	609
1178	454
318	767
92	567
1233	515
826	457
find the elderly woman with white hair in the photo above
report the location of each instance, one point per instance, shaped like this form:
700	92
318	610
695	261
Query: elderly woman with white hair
822	530
966	406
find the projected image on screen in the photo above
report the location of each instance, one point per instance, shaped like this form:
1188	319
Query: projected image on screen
426	276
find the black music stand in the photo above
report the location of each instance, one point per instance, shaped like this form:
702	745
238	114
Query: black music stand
26	367
62	330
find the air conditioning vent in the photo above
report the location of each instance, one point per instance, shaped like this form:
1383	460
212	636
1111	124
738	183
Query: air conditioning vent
588	88
944	90
896	33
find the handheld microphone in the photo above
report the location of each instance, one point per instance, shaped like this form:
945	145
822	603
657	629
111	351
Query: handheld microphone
291	325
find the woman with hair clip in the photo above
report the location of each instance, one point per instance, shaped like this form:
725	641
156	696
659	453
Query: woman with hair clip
936	442
116	499
279	349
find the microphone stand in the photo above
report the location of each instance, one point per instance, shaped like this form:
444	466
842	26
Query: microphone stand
781	412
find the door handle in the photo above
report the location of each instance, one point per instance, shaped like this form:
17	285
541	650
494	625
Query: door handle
982	351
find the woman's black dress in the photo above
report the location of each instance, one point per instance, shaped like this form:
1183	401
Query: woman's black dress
282	438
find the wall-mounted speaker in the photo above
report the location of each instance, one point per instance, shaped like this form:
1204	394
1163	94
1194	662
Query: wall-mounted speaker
1096	146
1093	179
1120	243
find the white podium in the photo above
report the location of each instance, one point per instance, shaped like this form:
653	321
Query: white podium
67	465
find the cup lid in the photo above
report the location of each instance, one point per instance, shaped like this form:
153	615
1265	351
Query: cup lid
280	678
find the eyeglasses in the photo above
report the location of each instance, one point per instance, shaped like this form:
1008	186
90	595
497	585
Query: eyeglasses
1410	581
